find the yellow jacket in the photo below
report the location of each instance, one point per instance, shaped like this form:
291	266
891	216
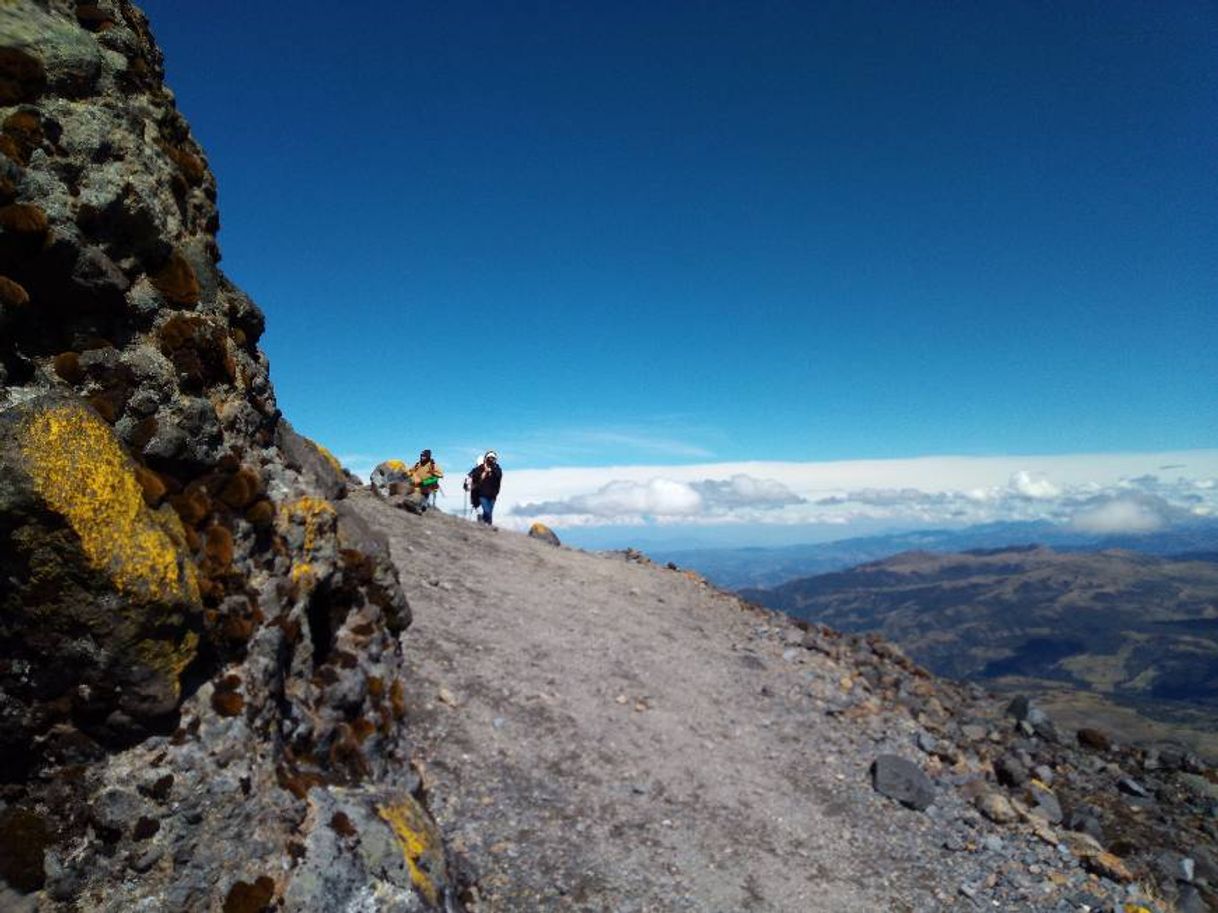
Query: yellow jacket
422	471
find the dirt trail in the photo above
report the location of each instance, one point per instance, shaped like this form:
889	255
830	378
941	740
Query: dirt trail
602	734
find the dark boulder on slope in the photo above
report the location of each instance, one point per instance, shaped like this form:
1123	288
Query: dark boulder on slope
903	781
201	682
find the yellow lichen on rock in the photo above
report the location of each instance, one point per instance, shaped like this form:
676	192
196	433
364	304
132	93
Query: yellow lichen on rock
79	468
304	579
329	457
316	514
170	658
396	465
419	841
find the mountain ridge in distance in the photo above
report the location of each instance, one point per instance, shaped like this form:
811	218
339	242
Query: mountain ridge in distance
768	566
1128	629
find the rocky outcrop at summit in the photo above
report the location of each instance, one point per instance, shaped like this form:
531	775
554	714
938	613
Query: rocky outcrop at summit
201	682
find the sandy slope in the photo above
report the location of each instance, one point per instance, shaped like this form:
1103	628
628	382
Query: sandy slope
602	734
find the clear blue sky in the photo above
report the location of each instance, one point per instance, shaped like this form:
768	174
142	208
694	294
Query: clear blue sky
664	232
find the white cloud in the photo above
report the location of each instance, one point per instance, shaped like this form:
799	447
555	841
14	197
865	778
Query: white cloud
1122	515
1033	485
867	494
745	491
623	499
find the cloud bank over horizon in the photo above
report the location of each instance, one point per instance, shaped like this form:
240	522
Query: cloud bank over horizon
1092	493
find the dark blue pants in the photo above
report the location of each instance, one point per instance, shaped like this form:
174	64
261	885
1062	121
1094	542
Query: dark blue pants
488	507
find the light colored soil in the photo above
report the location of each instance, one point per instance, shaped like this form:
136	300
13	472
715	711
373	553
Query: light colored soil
601	734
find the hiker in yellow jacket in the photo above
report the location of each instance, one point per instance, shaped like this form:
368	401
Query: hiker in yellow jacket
425	475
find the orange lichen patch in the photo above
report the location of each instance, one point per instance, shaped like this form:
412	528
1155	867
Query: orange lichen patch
238	628
12	294
23	219
376	687
250	898
177	281
151	485
23	134
93	17
397	698
193	168
24	837
78	467
298	783
22	76
262	513
227	703
362	728
198	349
25	124
192	505
67	366
218	547
341	824
242	488
420	843
345	751
105	406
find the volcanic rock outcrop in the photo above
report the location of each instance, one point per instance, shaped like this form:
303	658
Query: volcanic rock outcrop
200	674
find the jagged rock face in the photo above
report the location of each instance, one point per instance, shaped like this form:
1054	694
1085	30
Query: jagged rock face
201	683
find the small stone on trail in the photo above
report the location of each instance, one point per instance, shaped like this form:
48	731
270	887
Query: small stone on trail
446	697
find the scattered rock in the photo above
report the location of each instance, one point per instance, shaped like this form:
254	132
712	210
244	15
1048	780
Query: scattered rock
1095	739
1131	787
1107	865
544	533
1011	771
903	781
996	807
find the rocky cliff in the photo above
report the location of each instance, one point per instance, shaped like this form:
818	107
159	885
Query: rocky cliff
201	683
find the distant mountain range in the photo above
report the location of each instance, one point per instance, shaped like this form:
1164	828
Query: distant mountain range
735	568
1138	629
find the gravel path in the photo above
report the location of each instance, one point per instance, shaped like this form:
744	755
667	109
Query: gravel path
599	733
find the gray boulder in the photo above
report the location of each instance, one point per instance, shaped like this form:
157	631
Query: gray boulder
902	781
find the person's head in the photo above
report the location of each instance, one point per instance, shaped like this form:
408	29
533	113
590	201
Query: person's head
491	457
425	456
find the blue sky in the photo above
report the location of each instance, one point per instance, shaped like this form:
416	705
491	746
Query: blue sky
667	234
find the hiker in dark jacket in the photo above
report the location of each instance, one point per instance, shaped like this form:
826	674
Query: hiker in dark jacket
484	480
